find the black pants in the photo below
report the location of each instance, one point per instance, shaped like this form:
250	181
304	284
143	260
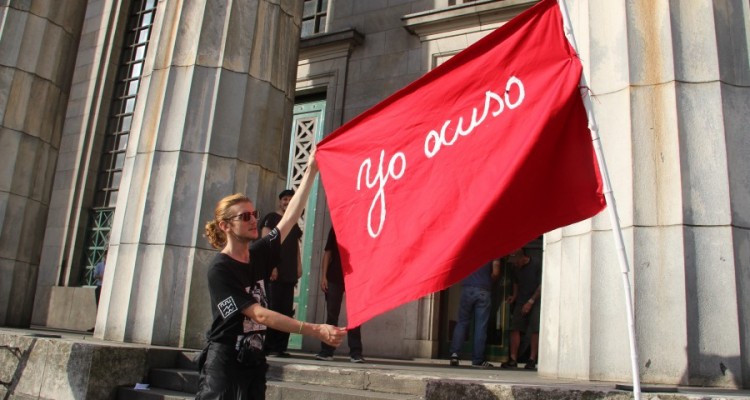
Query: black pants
281	300
223	378
334	297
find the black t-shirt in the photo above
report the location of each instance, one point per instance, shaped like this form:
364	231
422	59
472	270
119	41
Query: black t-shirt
234	286
528	277
287	266
334	274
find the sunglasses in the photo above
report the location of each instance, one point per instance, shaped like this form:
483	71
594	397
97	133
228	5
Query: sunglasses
245	216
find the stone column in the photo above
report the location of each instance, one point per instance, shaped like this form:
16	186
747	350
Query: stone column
672	84
38	43
213	109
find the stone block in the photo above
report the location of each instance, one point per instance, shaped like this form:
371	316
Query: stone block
262	130
658	266
14	30
649	42
713	352
549	342
614	121
16	111
396	382
10	141
31	44
6	79
655	156
574	335
14	209
608	46
239	42
226	131
741	242
186	195
198	309
730	24
159	197
609	357
349	378
703	154
736	121
693	38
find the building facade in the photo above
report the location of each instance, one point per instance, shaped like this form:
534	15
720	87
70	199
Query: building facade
122	122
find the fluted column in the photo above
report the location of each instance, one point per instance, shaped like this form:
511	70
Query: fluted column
38	42
672	84
214	107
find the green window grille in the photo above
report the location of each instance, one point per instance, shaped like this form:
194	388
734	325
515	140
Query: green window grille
128	80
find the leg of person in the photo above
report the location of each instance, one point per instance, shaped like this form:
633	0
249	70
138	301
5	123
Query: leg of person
256	384
272	342
98	294
481	317
334	296
518	321
217	377
462	325
534	329
354	336
286	307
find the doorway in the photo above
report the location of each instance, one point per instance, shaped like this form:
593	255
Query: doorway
498	335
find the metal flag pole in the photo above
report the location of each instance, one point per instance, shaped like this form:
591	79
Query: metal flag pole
614	219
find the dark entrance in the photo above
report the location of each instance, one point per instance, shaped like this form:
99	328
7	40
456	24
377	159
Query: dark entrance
498	336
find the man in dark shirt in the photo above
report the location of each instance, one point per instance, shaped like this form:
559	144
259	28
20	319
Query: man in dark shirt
332	284
283	277
527	290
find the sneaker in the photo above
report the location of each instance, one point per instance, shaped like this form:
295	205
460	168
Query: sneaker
531	364
357	359
511	363
483	365
279	354
454	360
323	357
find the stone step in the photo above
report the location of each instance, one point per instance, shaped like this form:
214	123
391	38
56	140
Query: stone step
275	391
301	391
128	393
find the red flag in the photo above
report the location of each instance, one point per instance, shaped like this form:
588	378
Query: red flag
471	161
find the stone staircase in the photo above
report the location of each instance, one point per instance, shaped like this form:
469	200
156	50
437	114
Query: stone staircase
290	379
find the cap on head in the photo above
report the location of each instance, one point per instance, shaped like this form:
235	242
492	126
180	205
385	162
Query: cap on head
285	193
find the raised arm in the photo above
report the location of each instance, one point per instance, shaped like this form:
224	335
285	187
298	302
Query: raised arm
297	204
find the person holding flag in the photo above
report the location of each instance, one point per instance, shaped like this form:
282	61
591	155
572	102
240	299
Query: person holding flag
233	364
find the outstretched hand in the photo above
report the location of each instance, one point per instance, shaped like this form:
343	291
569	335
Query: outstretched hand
330	334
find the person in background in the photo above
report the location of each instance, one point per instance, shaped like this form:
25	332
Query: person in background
527	290
476	300
284	275
332	284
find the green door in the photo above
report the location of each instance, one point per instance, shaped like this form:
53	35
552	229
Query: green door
307	129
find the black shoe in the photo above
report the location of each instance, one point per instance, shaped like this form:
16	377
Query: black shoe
511	363
279	354
323	357
90	330
454	360
483	365
357	359
531	364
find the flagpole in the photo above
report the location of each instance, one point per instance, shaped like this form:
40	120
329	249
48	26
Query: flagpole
613	217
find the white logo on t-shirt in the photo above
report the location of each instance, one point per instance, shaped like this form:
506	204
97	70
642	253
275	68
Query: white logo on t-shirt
227	307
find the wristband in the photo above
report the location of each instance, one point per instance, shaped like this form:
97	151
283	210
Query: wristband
301	324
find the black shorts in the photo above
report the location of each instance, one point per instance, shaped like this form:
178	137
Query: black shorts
222	377
530	321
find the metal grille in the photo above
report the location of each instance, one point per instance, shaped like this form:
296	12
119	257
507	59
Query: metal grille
101	223
128	81
314	15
